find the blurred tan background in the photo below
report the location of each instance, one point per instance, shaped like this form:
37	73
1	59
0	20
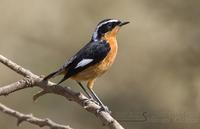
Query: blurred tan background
157	68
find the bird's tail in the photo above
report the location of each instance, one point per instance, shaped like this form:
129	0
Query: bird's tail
53	74
64	78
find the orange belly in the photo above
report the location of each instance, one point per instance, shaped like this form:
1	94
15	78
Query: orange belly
98	69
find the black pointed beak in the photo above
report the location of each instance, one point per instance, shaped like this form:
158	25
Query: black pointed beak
123	23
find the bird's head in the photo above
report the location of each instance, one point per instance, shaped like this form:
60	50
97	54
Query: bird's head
107	27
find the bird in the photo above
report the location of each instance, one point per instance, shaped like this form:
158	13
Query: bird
94	59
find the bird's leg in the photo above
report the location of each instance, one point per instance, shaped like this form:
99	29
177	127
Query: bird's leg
105	108
90	86
88	94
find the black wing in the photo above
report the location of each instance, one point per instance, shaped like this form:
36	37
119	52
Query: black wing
92	53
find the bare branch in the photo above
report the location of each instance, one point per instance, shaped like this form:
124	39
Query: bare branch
14	66
31	119
50	87
21	84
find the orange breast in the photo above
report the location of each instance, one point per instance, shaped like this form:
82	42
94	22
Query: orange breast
108	61
98	69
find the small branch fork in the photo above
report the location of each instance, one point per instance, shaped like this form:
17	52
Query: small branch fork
32	80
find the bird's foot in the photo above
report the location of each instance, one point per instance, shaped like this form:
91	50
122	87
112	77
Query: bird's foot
105	108
91	99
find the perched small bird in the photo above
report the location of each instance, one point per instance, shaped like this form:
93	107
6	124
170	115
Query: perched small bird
94	59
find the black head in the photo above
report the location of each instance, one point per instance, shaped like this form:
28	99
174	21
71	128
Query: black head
105	26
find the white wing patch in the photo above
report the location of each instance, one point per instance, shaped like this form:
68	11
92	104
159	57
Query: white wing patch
83	62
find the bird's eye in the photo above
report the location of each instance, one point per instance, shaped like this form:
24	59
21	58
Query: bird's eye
109	25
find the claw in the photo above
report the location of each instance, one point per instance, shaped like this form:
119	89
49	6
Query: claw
106	109
90	99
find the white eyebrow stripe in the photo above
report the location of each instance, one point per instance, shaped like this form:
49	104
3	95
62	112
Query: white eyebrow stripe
83	62
97	28
112	20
